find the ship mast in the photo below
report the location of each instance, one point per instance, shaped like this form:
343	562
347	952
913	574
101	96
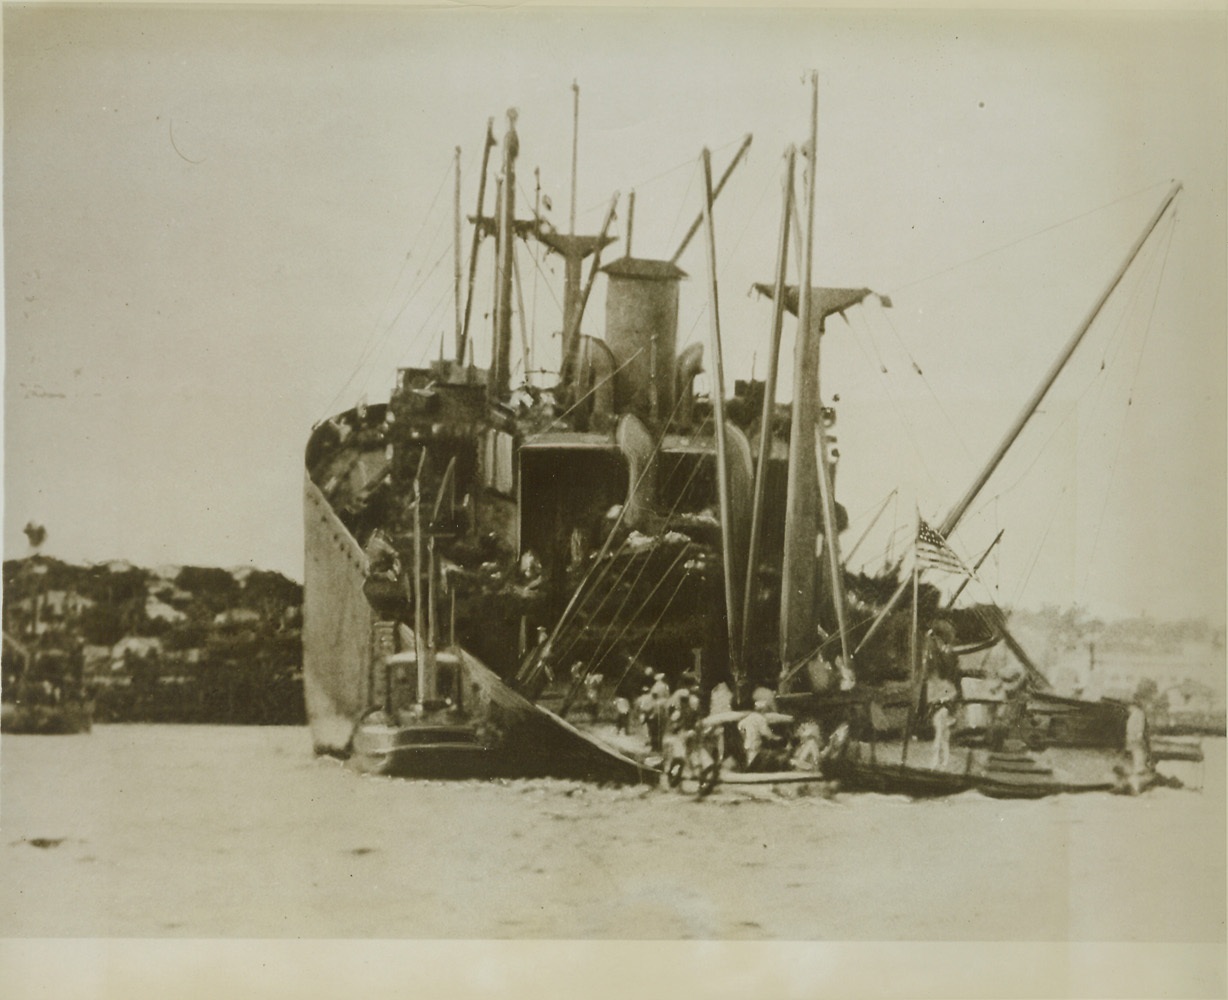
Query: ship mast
769	404
477	240
574	249
716	192
914	667
420	646
797	594
501	353
951	521
831	533
732	615
575	150
456	261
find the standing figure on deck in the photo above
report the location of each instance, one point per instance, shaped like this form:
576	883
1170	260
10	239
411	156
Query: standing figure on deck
1138	748
658	712
941	720
1008	721
592	694
808	754
643	709
757	735
941	695
622	714
720	701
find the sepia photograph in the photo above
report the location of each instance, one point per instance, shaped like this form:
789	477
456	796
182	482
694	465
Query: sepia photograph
614	500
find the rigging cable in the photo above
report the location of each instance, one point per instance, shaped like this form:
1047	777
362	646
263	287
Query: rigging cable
537	264
597	661
1024	239
426	343
1117	337
1040	545
926	382
1129	403
730	253
597	385
371	342
907	424
622	546
690	160
682	202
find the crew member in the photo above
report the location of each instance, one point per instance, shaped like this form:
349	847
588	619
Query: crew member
756	732
1137	747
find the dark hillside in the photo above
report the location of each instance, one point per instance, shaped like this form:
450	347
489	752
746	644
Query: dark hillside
176	644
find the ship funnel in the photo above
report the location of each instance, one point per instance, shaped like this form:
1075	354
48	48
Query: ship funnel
641	328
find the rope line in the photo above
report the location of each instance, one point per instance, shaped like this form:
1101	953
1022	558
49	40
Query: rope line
1073	408
929	387
374	338
610	561
1121	437
664	173
1024	239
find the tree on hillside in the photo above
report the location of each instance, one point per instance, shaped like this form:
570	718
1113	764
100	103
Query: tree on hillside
101	625
213	587
190	634
266	585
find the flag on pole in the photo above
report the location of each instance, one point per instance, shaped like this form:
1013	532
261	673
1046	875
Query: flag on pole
934	553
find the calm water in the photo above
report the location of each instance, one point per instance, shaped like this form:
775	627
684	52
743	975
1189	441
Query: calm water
142	831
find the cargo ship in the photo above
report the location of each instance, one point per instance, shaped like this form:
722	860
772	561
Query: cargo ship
481	556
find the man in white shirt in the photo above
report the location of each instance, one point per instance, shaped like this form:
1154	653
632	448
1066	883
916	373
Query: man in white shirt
755	733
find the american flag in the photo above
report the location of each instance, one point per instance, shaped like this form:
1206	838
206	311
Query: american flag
934	553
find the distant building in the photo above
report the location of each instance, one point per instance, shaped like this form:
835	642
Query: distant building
95	659
1191	697
166	591
1118	673
156	609
237	616
54	604
139	646
65	603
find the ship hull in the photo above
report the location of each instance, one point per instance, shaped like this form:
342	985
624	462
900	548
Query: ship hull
423	751
504	734
337	625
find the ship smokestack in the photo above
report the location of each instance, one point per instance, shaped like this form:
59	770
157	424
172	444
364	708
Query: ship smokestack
641	328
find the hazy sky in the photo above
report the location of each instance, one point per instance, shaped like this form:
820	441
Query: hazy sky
222	225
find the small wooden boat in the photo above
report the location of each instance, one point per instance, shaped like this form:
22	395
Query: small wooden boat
475	726
1012	774
895	779
1167	748
405	747
47	720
